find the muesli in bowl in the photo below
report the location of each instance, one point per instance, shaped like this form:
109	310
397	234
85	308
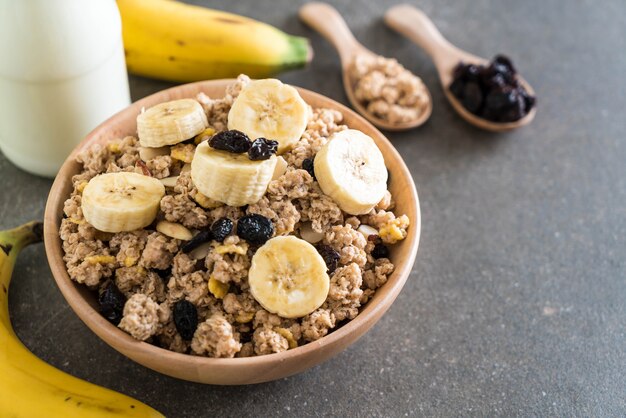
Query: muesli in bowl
232	227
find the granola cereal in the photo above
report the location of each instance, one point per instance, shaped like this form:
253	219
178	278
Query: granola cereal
154	271
388	90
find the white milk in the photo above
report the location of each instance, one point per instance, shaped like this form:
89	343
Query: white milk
62	73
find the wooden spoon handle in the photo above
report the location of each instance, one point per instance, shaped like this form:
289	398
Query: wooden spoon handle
325	19
415	25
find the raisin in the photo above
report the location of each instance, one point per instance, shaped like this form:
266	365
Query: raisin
380	251
232	141
262	149
221	229
197	240
495	81
529	101
504	61
472	97
501	98
457	87
254	228
112	302
164	274
330	256
513	113
309	167
185	319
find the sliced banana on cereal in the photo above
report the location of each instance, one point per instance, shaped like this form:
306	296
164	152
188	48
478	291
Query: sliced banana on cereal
270	109
170	123
123	201
351	169
230	178
288	277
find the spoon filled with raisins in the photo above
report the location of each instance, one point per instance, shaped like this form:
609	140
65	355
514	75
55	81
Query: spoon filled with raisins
489	95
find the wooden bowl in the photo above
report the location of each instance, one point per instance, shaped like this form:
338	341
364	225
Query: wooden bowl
232	371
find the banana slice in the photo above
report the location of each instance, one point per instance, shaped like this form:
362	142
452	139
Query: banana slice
288	277
170	123
351	169
281	168
270	109
230	178
116	202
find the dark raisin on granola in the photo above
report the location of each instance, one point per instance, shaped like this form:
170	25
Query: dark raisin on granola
185	319
197	240
308	166
112	301
255	228
221	229
330	256
232	141
262	149
164	274
380	251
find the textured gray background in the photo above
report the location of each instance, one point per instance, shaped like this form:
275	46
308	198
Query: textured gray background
516	305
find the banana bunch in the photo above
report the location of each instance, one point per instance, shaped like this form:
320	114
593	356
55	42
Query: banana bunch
174	41
29	387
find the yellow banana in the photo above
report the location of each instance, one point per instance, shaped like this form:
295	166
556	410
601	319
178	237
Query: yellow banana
174	41
29	387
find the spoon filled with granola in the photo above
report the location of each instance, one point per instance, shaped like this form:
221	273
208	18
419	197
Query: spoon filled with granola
489	95
379	88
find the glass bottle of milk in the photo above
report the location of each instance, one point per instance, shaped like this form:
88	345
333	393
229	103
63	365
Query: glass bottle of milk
62	73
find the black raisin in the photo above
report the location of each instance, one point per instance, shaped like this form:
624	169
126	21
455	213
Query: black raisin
197	240
457	87
467	72
221	229
308	166
164	274
529	101
262	149
505	62
380	251
232	141
185	319
459	71
330	256
472	97
513	113
495	81
112	303
255	228
501	98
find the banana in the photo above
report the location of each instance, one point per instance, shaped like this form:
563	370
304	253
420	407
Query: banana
351	169
288	277
123	201
230	178
29	387
270	109
179	42
170	123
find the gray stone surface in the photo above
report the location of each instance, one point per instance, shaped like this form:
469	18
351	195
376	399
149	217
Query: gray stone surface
516	305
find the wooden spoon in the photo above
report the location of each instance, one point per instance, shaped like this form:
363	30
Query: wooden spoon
415	25
328	22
